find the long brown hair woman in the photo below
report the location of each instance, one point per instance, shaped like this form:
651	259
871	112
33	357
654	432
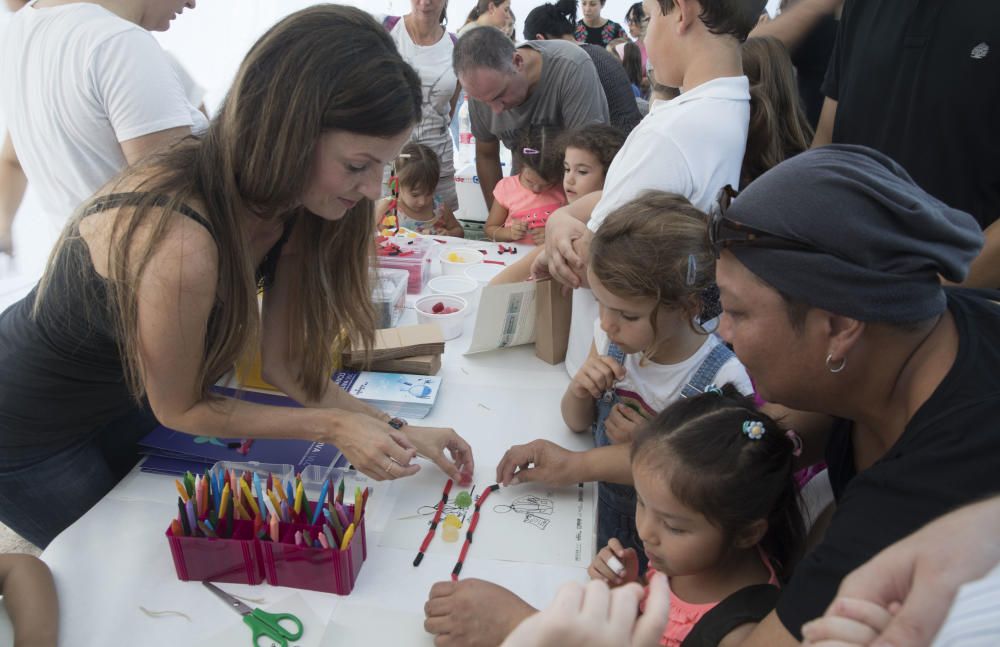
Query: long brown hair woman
150	296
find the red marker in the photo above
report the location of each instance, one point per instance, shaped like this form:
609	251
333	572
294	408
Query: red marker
437	517
468	535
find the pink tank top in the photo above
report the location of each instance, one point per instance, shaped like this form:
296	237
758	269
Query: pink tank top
685	615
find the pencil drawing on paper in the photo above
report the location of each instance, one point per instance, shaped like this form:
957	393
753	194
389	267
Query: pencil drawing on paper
532	507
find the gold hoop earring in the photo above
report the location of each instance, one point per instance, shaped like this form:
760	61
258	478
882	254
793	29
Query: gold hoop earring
838	368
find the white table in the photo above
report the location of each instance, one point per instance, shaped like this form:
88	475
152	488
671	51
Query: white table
115	558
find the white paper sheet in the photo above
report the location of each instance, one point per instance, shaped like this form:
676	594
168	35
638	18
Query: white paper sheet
506	317
525	523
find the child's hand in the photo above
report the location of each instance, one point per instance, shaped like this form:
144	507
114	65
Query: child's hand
615	564
622	423
848	621
598	374
518	229
538	235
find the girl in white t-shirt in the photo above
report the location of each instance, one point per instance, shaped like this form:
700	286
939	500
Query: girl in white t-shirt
649	264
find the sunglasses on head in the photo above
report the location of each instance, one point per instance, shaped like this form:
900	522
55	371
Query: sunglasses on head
724	232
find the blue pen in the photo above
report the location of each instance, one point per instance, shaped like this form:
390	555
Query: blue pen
258	490
290	491
216	489
319	502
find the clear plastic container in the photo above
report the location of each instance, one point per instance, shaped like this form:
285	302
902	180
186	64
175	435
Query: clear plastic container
410	254
389	295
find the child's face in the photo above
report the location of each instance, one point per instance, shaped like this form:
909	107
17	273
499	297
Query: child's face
415	198
532	181
626	321
676	539
660	43
582	173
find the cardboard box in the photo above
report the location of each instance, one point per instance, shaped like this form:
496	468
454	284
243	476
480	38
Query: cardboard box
553	311
417	365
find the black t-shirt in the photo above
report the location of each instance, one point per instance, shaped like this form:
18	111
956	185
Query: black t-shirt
919	80
947	456
811	59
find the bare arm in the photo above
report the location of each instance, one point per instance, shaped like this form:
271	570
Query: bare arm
488	168
30	597
577	404
139	147
793	25
985	270
824	129
450	223
563	230
176	294
494	227
12	185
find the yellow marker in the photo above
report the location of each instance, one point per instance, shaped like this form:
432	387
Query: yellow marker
241	512
248	497
347	537
357	506
181	491
224	505
280	488
299	493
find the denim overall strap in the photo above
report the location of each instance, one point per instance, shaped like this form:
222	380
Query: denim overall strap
706	373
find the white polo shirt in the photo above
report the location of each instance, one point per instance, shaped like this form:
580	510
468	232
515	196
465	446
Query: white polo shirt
692	145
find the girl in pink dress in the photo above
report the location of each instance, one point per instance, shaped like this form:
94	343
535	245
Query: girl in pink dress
522	203
716	510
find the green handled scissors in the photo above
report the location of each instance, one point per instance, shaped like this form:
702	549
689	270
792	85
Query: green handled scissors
260	622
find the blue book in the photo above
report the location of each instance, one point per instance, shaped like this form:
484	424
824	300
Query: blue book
177	446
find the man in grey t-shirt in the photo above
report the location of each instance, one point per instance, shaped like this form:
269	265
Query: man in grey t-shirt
541	83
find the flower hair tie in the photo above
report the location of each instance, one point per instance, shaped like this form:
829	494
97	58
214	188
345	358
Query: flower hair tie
754	429
711	388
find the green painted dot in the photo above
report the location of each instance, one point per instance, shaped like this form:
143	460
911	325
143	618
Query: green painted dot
463	500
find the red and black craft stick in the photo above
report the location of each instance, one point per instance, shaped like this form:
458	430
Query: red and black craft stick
434	524
472	527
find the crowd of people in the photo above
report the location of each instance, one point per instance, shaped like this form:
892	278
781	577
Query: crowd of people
791	260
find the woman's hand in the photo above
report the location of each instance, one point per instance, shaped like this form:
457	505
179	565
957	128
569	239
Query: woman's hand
375	448
431	442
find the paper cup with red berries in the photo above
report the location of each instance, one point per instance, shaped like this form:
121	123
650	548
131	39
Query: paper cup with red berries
446	310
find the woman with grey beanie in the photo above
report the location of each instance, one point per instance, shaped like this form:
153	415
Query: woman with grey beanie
830	268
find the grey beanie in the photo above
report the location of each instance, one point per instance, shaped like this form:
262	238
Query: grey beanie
882	240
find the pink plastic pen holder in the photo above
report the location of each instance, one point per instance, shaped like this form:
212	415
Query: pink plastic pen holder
236	560
317	569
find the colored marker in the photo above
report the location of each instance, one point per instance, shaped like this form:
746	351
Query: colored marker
248	497
225	501
319	503
298	537
434	523
258	489
182	511
472	528
181	491
176	529
189	509
340	490
357	505
299	494
274	528
341	515
331	539
348	534
323	542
